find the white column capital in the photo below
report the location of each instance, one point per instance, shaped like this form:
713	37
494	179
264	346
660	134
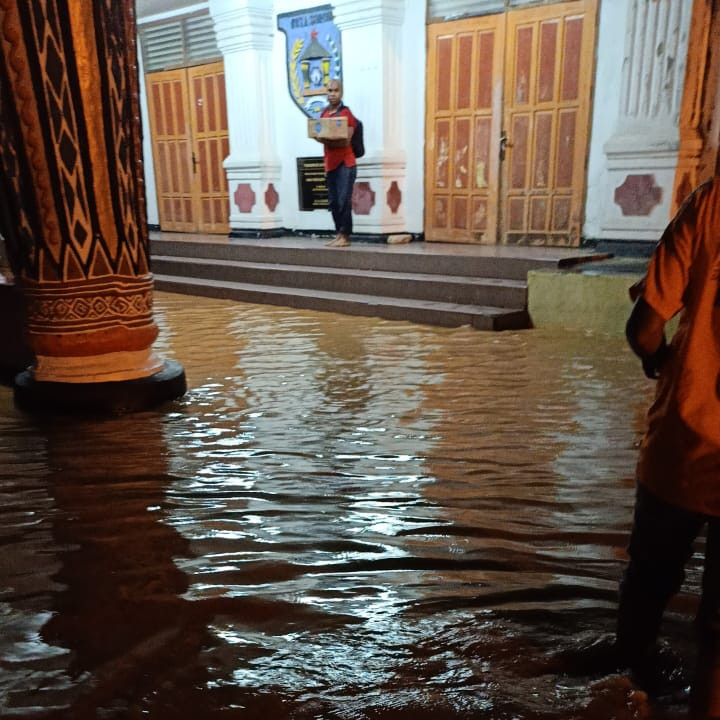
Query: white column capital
242	24
350	14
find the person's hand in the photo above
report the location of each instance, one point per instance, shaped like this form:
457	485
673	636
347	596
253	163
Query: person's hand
652	364
645	331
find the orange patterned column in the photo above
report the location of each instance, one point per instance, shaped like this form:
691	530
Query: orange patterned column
73	211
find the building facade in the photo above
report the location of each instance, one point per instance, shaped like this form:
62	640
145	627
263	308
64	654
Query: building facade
492	121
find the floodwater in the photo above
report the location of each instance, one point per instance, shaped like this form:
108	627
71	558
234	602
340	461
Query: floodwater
344	519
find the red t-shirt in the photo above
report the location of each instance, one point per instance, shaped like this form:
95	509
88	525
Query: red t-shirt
335	156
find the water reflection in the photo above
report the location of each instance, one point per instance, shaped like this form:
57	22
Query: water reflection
114	608
345	518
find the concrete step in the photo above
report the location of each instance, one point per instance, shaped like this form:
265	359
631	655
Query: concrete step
360	256
453	289
436	283
390	308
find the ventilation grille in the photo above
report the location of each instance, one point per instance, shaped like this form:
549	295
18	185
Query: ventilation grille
439	10
179	42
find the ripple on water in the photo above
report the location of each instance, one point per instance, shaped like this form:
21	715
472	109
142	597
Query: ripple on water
343	518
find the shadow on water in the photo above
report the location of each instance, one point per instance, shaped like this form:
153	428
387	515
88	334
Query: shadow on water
344	519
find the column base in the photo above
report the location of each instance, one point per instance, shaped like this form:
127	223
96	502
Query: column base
104	398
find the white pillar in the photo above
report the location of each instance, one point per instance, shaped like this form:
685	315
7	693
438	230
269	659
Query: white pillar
244	31
373	89
642	153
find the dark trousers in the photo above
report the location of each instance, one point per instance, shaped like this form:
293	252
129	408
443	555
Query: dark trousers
661	543
340	183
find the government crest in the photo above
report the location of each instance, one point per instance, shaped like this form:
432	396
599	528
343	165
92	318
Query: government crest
313	56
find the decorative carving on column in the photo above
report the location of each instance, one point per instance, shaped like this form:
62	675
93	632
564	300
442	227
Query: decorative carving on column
363	198
638	195
272	199
244	197
73	210
645	143
700	109
372	35
394	197
244	31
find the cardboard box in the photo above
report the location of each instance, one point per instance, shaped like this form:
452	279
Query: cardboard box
328	128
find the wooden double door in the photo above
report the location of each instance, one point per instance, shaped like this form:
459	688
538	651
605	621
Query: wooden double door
189	135
508	108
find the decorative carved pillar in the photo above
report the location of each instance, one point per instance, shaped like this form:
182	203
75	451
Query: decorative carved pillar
643	152
244	31
372	36
73	205
700	111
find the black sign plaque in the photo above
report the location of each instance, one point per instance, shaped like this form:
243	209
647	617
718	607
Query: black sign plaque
312	190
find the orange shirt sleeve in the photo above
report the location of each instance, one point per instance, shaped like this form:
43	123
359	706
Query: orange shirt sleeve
669	269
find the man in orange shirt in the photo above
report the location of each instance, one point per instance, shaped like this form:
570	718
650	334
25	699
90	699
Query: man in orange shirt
678	472
340	167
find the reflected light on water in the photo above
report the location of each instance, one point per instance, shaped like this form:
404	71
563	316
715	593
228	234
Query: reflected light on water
344	518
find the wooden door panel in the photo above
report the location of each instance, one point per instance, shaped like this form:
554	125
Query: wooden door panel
211	146
546	114
463	120
526	73
188	127
172	149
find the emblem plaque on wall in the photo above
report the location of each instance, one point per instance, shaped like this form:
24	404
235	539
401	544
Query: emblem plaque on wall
312	54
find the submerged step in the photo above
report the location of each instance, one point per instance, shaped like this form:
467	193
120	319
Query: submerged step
462	290
434	283
390	308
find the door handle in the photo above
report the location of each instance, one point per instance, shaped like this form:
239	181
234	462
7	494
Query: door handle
503	144
194	162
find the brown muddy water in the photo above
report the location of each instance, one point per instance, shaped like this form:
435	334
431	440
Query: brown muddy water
344	519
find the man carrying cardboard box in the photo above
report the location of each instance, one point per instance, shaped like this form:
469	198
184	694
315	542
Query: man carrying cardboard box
340	166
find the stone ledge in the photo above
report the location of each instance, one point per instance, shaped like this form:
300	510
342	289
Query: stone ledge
580	301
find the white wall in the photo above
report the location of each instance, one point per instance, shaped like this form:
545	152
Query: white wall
291	122
150	195
414	67
642	153
291	133
610	52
